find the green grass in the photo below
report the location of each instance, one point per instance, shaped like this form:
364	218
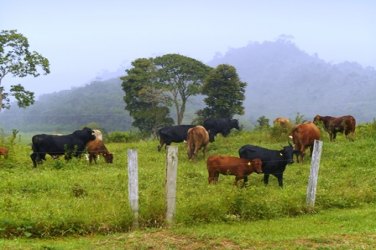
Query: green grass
74	198
330	229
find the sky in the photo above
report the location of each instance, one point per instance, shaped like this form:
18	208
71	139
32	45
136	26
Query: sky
86	39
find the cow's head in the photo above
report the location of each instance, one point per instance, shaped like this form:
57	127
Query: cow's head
257	165
108	157
86	134
235	124
317	119
211	136
288	153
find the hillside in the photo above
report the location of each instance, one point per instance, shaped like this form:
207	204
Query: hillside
282	81
98	102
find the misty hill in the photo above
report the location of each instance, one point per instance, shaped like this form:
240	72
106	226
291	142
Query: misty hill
284	80
99	102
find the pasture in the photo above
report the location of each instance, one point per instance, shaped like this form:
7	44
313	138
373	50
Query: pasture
73	198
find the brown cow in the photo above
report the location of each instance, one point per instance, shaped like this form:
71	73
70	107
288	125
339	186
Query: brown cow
303	136
97	147
4	152
282	121
229	165
197	138
344	124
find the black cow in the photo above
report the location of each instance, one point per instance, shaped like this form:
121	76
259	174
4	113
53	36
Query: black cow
220	125
273	161
170	134
56	145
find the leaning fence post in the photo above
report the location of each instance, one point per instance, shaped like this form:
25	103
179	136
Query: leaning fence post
133	184
171	174
315	163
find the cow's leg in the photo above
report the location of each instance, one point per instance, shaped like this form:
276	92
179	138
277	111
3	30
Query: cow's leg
210	176
237	179
266	179
334	135
91	158
161	143
245	180
33	157
280	179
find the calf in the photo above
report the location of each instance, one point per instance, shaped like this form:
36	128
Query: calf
97	147
273	161
229	165
4	152
197	138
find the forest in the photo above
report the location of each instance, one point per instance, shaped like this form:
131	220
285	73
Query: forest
282	80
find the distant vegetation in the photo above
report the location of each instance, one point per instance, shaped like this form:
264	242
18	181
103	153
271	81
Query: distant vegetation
282	80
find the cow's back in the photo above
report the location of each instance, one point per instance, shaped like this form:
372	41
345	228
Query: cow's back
174	133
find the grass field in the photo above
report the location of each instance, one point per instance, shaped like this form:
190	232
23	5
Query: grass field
59	201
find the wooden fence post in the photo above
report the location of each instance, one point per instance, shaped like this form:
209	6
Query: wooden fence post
171	174
315	163
133	184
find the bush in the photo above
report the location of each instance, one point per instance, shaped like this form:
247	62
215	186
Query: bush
127	136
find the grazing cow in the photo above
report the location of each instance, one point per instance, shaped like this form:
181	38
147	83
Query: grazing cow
96	147
303	136
229	165
69	145
344	124
273	161
197	138
170	134
220	125
282	122
4	152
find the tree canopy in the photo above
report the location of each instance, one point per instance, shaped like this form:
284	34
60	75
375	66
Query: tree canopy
225	93
182	77
18	61
144	99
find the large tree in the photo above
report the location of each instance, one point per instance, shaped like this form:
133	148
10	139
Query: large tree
17	61
225	93
144	98
182	77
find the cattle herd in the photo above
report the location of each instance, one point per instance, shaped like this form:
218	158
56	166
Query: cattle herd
251	158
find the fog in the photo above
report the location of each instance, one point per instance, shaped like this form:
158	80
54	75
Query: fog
87	40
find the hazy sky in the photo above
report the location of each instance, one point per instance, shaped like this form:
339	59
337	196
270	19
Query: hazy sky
84	38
